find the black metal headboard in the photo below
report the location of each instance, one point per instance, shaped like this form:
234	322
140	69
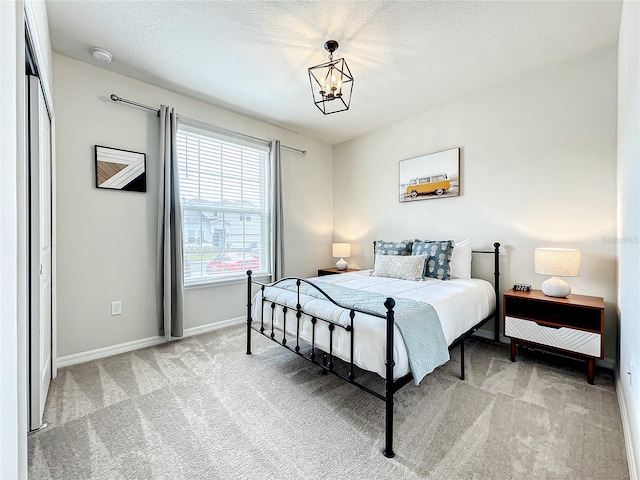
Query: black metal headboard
496	285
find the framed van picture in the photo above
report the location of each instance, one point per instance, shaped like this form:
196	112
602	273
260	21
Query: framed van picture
434	175
119	169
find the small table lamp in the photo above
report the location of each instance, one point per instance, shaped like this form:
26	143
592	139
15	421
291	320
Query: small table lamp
558	262
341	250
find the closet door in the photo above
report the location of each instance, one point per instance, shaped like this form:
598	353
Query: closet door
40	252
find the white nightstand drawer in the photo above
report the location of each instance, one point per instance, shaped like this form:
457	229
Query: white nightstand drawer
578	341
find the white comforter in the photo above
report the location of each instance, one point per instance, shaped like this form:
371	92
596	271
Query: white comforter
460	304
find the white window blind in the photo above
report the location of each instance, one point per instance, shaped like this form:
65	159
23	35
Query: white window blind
224	188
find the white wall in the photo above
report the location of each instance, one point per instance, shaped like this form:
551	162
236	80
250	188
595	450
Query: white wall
538	168
107	239
628	223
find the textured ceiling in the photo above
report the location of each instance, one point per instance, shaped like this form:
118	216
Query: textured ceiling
406	57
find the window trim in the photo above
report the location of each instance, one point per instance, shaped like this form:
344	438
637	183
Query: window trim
236	280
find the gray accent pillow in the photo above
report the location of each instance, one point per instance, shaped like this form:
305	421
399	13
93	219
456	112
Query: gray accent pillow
404	267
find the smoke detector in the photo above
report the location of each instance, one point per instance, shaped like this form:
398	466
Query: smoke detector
101	54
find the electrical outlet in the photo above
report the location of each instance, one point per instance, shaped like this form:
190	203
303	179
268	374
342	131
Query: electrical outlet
116	308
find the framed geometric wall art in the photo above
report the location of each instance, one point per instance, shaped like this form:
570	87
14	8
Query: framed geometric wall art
435	175
119	169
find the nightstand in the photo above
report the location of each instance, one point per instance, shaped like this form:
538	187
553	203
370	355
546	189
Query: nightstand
335	271
572	325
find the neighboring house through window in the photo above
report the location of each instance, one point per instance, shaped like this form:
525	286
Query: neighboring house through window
224	187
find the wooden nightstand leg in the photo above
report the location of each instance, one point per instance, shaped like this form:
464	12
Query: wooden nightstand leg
513	350
591	370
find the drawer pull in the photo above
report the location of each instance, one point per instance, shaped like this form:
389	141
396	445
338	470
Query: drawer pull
543	325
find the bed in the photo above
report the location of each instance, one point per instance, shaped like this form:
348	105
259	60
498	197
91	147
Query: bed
400	329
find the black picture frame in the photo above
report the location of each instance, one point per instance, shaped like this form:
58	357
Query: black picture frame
118	169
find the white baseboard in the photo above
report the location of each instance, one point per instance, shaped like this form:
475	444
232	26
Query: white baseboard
210	327
606	363
489	335
87	356
634	468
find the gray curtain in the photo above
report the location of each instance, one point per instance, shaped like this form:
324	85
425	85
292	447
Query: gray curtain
277	217
170	264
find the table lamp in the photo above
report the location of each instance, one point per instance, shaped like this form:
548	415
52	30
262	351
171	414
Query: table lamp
557	262
341	250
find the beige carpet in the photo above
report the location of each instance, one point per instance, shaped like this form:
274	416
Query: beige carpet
199	408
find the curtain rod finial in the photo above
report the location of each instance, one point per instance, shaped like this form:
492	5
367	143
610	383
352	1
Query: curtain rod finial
114	97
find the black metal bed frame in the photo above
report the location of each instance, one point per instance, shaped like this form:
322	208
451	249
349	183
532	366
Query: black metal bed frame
327	365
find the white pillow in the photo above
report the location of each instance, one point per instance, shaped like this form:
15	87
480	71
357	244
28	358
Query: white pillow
460	265
404	267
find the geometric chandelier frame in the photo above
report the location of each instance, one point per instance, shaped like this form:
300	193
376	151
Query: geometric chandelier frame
331	83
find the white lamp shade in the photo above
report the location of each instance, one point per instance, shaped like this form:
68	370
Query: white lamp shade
341	250
560	262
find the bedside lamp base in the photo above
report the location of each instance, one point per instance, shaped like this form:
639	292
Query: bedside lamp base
556	287
342	264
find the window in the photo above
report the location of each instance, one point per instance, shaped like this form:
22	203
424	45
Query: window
225	205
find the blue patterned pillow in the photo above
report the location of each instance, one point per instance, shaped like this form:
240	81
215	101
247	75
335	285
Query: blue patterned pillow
438	257
381	247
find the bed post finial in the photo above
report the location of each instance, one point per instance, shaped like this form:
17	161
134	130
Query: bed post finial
249	273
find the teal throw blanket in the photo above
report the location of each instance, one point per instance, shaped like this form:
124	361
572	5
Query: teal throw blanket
418	322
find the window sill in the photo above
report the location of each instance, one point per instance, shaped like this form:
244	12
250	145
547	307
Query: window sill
264	277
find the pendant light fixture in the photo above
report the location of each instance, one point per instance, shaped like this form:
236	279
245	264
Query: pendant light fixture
331	83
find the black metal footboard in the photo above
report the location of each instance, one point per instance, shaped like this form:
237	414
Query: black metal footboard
325	359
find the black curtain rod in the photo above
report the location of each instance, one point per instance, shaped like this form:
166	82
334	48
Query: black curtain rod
116	98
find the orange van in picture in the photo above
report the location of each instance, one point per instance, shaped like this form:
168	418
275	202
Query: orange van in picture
437	184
